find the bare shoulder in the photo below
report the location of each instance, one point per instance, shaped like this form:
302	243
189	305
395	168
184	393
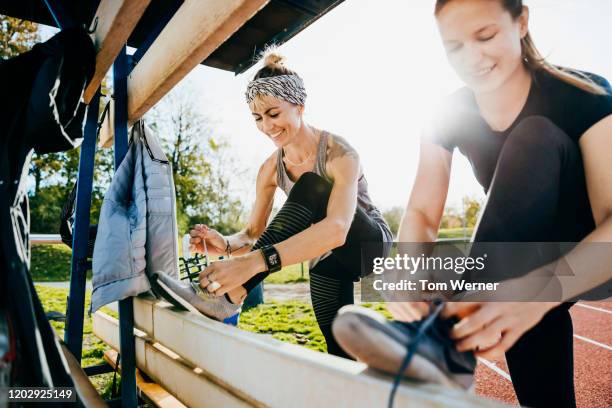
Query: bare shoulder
342	159
267	171
338	147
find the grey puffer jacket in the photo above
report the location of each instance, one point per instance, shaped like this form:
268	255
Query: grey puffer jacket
137	230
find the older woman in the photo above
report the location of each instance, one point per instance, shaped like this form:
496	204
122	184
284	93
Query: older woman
327	216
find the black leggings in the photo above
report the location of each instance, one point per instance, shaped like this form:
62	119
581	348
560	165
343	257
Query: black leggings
331	280
533	197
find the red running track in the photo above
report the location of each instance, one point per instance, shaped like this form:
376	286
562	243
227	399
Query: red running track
592	360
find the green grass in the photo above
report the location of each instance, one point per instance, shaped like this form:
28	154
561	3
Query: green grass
54	299
50	262
454	233
289	274
292	322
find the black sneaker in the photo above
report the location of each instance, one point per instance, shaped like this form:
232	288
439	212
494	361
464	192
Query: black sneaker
386	345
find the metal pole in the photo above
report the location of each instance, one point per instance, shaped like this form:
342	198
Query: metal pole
129	397
60	15
73	335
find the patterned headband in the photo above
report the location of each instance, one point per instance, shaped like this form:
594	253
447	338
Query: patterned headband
289	88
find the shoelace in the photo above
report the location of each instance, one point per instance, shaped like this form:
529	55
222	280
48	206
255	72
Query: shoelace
435	309
187	266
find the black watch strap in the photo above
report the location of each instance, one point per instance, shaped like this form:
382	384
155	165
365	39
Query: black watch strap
271	258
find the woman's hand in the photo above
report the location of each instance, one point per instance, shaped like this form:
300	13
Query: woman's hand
215	242
223	276
408	311
492	328
414	311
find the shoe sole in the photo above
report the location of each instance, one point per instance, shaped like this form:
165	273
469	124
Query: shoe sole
366	336
172	297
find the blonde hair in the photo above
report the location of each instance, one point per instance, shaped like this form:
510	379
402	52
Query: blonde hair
273	65
534	61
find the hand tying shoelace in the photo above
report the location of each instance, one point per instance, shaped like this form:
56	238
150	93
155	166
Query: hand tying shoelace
435	310
186	293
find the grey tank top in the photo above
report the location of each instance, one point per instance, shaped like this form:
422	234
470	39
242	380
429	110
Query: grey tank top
363	198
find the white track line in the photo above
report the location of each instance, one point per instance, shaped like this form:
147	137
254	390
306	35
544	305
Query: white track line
599	309
505	375
593	342
495	368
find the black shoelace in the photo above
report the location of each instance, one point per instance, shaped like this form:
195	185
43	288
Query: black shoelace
435	310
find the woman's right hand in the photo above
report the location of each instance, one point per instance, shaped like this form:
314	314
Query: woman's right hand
215	242
408	311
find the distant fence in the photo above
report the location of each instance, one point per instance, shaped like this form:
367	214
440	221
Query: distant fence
45	239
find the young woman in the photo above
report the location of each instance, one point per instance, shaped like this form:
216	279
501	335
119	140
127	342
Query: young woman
538	139
327	215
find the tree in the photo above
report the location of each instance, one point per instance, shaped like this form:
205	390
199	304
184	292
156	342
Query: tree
393	216
42	167
471	210
199	164
222	209
16	36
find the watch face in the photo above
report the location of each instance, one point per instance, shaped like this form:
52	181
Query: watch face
273	259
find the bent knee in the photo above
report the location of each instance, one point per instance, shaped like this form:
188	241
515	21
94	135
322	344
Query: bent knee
538	131
310	185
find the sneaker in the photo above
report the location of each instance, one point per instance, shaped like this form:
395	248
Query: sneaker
383	344
189	296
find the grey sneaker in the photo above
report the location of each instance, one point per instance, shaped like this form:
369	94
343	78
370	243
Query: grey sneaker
382	344
189	296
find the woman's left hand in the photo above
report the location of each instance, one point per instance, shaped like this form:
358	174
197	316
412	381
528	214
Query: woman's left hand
492	328
230	273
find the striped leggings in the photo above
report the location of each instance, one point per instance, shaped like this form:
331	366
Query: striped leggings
331	279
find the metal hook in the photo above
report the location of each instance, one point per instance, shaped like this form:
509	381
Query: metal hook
95	26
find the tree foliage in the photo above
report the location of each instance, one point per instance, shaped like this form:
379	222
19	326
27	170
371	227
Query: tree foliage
471	211
466	217
16	36
393	216
200	164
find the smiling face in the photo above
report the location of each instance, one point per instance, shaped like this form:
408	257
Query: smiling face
482	41
278	119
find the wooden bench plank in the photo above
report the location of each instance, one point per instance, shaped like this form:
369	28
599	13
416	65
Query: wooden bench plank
197	29
116	20
185	382
294	376
154	393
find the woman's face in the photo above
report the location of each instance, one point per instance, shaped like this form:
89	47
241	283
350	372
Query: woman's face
278	119
482	41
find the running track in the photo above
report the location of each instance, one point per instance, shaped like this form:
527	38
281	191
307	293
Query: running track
592	360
